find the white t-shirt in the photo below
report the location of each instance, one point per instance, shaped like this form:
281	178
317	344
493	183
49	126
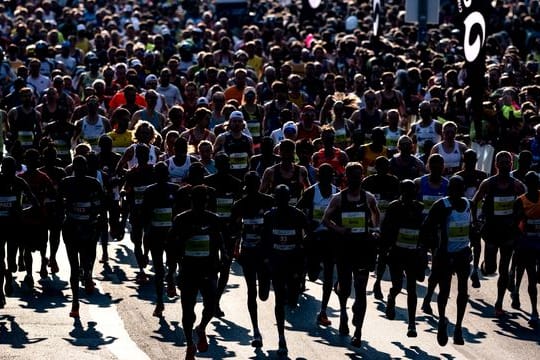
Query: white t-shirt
171	93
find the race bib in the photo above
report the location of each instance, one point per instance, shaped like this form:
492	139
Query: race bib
356	221
254	128
503	205
408	238
239	161
198	246
223	207
162	217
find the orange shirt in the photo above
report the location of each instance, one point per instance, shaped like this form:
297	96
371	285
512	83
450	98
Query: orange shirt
233	92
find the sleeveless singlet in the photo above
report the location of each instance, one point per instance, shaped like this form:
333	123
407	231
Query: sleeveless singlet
425	133
457	227
320	204
430	195
452	160
177	173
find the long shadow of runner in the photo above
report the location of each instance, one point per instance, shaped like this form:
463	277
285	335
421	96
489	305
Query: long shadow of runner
124	255
508	324
50	297
89	337
414	352
15	336
169	333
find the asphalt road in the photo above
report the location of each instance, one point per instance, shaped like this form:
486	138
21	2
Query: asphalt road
116	323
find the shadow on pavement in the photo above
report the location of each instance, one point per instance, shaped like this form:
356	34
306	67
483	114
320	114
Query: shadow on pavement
89	337
169	333
414	352
229	331
12	334
50	297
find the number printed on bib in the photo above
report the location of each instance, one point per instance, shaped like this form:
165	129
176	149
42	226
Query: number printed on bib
162	217
223	207
408	238
356	221
238	161
503	205
6	204
458	231
198	246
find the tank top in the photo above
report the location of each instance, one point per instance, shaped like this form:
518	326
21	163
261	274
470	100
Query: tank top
531	225
252	230
178	174
425	133
152	159
286	236
430	195
409	228
320	204
392	138
121	141
452	160
154	119
90	133
253	121
293	183
389	103
457	227
26	127
369	121
369	159
354	215
198	244
499	204
238	151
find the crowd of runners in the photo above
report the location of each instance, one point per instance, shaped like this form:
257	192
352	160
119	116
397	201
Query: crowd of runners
299	145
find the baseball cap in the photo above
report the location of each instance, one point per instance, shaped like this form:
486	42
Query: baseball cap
150	78
202	101
81	27
289	126
236	115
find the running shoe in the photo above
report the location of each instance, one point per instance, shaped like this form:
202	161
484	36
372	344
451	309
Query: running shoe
356	341
282	348
458	336
426	307
43	273
257	341
516	304
29	281
377	292
190	352
171	290
475	279
54	266
89	286
219	313
158	310
322	319
202	343
74	313
533	322
411	331
343	325
499	312
442	334
142	278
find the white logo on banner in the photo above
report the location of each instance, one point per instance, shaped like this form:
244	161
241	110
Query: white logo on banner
472	45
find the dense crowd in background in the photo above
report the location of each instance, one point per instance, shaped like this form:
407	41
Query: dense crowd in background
168	119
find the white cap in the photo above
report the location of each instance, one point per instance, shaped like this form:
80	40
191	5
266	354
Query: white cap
81	27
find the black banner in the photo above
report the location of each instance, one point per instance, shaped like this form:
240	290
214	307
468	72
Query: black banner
474	17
